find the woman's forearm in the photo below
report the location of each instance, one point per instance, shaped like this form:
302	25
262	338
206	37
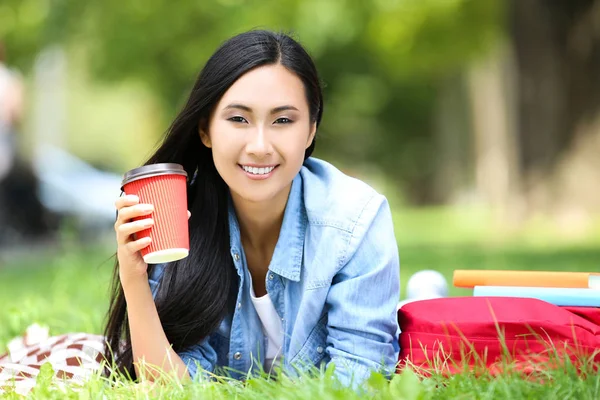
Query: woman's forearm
148	339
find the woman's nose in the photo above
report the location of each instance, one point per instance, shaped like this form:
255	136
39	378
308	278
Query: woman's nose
259	144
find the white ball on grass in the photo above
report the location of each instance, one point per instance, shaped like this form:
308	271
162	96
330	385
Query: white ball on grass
426	284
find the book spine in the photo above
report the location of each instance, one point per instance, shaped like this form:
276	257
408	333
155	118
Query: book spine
472	278
574	297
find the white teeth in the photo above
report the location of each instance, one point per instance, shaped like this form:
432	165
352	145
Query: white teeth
257	171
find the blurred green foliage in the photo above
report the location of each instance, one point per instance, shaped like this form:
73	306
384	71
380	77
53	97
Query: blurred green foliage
381	61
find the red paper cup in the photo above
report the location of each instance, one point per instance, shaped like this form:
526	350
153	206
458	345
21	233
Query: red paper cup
163	186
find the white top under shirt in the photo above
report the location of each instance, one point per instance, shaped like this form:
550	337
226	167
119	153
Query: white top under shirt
272	327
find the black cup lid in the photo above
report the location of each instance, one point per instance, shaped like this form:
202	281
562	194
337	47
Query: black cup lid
148	171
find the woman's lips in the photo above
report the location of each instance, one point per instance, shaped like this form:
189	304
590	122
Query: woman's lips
258	176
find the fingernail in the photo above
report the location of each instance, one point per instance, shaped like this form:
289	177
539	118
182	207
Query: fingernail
148	222
132	197
147	207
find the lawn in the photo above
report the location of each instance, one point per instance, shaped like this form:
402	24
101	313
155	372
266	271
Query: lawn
66	289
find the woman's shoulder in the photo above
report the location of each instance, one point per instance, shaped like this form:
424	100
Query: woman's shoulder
333	198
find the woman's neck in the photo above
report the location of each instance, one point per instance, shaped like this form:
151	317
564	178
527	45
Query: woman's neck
260	223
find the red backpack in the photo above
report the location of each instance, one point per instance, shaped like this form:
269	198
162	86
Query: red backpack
452	334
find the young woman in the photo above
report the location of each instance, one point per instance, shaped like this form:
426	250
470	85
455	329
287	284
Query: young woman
291	262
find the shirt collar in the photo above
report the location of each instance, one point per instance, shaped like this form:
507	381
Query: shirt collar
289	250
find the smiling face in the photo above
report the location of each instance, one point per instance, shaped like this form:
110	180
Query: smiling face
258	133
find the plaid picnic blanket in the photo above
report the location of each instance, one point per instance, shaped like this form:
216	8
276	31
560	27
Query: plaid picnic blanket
74	357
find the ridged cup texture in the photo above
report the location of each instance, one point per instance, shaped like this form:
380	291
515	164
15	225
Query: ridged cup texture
168	195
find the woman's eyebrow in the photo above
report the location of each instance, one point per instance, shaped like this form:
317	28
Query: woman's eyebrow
238	107
283	108
248	109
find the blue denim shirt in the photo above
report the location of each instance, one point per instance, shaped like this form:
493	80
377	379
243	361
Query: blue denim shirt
333	279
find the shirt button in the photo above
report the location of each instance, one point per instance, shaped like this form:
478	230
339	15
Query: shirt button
319	349
271	276
236	256
237	355
239	305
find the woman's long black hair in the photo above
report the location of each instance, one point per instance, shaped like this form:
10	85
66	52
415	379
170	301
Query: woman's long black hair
194	293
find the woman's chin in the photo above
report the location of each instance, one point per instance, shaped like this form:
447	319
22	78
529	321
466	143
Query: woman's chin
250	196
263	195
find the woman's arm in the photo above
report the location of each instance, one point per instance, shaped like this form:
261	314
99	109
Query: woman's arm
199	356
148	340
362	319
151	347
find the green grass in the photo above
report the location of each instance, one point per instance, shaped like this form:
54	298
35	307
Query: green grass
564	383
67	290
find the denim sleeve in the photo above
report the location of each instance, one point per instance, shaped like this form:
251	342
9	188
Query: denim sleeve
362	318
199	358
200	355
154	278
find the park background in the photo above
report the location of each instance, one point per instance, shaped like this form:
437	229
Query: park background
478	119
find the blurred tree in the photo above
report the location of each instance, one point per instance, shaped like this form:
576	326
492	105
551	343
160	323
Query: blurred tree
536	113
557	47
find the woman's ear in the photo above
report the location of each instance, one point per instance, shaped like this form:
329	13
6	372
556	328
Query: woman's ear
204	137
311	136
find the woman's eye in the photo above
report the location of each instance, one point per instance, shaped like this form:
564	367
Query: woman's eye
283	120
237	119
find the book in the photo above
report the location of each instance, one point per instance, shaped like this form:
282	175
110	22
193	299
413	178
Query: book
594	281
472	278
574	297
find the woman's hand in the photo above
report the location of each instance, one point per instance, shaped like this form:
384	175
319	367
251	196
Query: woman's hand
131	264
